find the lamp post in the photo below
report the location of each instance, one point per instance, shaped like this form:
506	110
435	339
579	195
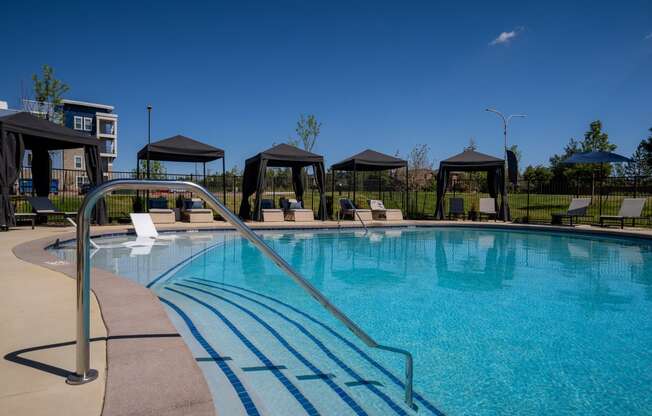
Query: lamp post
506	120
149	134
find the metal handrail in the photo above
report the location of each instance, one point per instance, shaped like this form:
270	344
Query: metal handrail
85	374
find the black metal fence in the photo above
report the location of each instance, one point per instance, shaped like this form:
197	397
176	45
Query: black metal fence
529	202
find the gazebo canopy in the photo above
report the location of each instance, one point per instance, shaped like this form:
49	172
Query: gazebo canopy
370	160
468	161
282	155
38	133
597	157
22	131
181	149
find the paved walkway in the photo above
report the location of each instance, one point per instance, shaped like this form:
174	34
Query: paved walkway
37	311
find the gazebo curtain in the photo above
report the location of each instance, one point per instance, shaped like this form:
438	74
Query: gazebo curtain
12	150
41	172
96	177
495	185
254	182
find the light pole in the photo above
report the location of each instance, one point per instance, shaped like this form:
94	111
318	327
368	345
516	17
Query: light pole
506	120
149	134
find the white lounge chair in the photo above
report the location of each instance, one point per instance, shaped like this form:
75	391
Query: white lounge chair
146	230
631	208
488	208
271	214
379	212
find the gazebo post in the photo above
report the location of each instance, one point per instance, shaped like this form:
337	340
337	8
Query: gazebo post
354	182
407	192
333	191
224	182
205	182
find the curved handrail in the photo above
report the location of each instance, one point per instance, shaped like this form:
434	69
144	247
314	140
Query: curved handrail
85	374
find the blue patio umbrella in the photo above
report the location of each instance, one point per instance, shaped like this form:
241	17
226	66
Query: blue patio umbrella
597	157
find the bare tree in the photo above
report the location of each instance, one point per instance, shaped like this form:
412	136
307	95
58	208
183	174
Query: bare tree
307	129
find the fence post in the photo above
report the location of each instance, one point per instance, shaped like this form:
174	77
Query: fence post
527	206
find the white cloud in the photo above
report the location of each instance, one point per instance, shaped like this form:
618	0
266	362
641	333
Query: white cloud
506	37
649	36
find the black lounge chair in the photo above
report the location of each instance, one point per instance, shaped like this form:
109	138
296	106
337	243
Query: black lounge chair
348	210
631	208
43	207
455	207
576	209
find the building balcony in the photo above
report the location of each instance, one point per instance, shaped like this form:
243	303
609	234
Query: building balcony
108	147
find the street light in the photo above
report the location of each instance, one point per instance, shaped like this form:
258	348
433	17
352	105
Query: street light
149	134
506	120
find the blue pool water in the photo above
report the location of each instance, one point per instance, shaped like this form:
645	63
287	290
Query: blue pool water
499	322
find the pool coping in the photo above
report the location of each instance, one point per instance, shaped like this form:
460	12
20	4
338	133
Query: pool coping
144	348
150	369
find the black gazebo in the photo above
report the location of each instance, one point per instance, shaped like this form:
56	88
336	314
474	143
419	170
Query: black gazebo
470	161
24	131
183	149
370	161
286	156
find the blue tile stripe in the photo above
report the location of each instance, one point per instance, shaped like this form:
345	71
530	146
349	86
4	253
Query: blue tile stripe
330	383
318	343
239	388
183	263
364	355
291	388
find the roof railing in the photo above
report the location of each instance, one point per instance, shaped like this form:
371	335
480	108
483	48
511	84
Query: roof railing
85	374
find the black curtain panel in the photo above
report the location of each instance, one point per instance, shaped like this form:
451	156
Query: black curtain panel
261	182
320	175
41	172
249	181
11	157
442	178
512	166
297	182
96	177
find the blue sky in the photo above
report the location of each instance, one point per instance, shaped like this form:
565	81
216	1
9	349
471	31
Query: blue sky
378	75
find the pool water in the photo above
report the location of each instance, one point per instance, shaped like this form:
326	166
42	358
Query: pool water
499	321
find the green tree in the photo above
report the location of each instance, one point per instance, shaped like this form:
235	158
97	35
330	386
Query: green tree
641	164
537	175
308	129
156	169
48	93
594	140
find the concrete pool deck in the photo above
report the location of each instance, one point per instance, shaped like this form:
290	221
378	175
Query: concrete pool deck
136	341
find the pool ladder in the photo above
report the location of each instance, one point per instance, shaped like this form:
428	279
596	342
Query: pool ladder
85	374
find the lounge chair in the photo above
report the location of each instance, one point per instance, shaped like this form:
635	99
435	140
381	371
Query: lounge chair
271	214
348	210
576	209
159	211
146	230
43	207
194	211
296	212
487	208
379	212
455	207
631	208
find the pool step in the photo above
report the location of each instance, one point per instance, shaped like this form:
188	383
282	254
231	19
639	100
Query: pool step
353	387
366	361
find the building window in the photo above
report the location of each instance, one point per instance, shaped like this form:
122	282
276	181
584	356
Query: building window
79	123
78	162
81	181
88	124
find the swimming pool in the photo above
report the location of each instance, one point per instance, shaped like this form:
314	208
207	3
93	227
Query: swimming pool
498	321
